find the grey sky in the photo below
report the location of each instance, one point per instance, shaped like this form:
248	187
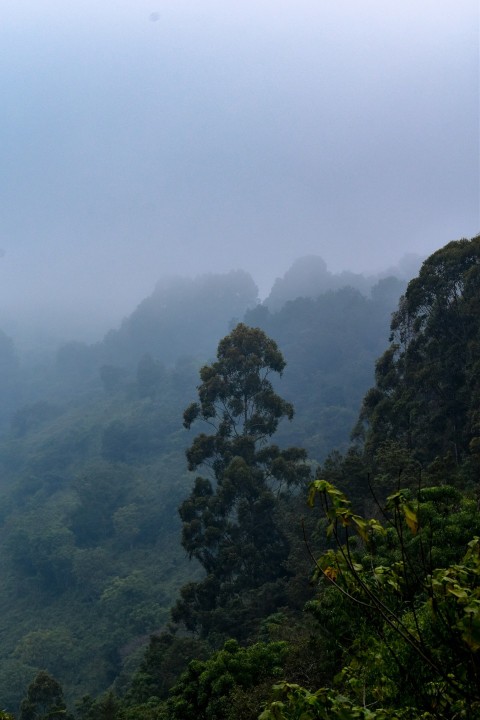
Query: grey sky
142	138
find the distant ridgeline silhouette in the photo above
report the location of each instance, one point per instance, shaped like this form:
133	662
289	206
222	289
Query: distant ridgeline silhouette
309	277
182	316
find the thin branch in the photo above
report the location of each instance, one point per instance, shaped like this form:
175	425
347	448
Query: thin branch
390	617
330	579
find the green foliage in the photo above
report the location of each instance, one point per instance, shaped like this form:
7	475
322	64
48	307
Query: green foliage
44	700
297	703
419	652
427	389
331	341
44	552
5	715
231	527
237	395
93	473
204	690
165	658
106	707
50	648
455	595
90	561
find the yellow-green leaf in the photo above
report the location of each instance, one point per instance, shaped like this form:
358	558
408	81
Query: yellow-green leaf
410	518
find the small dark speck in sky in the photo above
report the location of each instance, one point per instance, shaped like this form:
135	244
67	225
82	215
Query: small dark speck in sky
154	16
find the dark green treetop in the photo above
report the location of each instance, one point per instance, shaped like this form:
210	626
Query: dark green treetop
44	700
427	390
230	520
237	399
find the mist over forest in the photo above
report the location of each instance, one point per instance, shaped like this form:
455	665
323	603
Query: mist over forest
97	592
181	319
44	330
183	139
239	360
93	448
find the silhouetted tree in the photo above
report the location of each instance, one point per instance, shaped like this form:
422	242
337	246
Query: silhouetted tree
427	388
44	700
230	523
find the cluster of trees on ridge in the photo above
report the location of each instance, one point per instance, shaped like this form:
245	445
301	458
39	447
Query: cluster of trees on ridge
93	468
392	628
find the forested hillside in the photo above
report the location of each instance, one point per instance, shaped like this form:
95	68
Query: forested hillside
94	470
392	628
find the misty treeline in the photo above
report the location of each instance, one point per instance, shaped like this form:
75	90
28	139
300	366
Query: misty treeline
179	323
94	471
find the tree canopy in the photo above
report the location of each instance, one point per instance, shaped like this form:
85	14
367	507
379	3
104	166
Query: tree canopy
230	520
427	392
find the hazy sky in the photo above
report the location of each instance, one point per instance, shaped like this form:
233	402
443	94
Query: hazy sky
142	138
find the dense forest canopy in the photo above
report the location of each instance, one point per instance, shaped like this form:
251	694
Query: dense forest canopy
427	391
93	466
94	473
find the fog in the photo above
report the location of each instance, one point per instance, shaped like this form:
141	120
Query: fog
149	138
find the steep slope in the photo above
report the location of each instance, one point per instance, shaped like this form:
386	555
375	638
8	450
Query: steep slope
94	469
